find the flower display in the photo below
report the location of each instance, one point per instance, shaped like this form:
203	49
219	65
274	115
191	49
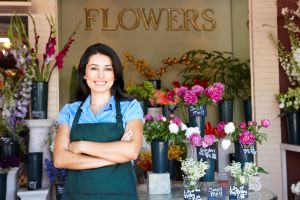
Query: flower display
289	58
295	188
27	54
250	169
159	128
194	137
193	170
141	92
7	162
164	97
289	101
144	161
176	152
198	95
247	134
56	175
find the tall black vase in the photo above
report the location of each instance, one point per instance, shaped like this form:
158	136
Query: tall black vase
168	111
175	170
59	190
3	178
159	151
34	165
144	105
197	117
293	125
39	100
241	154
210	158
225	110
9	147
247	110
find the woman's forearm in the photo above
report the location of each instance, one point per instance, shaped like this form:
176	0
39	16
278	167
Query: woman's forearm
69	160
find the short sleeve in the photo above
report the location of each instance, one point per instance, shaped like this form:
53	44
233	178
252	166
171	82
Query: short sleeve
133	111
64	116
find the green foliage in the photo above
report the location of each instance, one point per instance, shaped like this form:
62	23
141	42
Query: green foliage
244	86
143	92
289	101
72	86
213	66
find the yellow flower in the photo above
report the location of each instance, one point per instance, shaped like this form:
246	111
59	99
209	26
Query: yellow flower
176	152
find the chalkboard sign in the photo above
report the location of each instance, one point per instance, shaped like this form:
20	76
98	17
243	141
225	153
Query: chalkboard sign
198	112
216	193
249	149
240	192
191	194
207	153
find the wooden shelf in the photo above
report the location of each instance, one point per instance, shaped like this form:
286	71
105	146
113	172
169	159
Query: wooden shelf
15	3
290	147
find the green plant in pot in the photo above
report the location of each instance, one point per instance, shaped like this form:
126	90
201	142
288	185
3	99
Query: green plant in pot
142	93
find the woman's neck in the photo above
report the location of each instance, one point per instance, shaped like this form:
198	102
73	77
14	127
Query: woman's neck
100	99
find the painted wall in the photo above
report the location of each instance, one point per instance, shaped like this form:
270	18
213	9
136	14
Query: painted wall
151	45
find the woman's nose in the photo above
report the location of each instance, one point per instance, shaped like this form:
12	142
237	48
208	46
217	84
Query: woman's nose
100	73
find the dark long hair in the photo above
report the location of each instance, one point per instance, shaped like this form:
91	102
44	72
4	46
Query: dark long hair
82	89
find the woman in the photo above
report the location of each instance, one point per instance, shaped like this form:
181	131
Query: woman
100	133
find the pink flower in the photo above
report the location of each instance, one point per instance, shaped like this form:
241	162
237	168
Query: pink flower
265	123
195	139
181	91
148	117
247	138
197	90
242	125
251	123
177	121
160	117
190	98
220	126
208	140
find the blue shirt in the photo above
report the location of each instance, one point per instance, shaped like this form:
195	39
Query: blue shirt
130	110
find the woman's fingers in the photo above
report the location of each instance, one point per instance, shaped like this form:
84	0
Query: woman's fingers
127	135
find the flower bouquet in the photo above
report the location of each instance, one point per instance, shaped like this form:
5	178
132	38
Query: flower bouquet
295	188
7	162
289	101
159	128
55	175
241	175
193	171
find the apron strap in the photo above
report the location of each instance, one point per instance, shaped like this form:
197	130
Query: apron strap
119	115
77	115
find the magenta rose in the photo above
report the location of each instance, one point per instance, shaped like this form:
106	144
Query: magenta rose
247	138
195	139
265	123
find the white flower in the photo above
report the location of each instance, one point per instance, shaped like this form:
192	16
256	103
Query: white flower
225	144
164	119
183	127
296	55
193	169
191	130
229	128
173	128
284	11
296	188
281	105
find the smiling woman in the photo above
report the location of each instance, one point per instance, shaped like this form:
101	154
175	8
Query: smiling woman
100	133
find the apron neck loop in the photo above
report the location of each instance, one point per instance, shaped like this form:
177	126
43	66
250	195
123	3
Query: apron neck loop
118	113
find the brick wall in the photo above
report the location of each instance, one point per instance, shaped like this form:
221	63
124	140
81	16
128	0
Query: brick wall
265	82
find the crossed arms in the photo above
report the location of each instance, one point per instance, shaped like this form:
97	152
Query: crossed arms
88	155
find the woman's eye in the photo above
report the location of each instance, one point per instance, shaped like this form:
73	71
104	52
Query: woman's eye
108	69
93	68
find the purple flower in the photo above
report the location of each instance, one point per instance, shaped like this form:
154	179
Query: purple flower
242	125
159	117
197	90
195	139
265	123
220	126
148	117
190	98
247	138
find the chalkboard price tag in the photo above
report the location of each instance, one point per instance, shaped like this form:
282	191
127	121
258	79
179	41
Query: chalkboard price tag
207	153
240	192
216	193
191	194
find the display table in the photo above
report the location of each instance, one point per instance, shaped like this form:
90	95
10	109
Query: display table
177	193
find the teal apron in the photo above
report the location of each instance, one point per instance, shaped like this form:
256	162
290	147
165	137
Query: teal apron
115	182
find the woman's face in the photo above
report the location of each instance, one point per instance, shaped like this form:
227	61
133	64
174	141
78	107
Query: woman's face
99	74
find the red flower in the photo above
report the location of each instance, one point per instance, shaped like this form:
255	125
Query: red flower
208	129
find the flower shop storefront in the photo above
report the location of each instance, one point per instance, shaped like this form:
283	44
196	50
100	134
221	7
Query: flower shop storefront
188	123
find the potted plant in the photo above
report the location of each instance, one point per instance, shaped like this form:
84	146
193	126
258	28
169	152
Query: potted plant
241	175
176	153
159	132
245	138
57	176
193	171
289	103
142	93
38	71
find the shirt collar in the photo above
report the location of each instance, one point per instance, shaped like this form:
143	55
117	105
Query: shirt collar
87	103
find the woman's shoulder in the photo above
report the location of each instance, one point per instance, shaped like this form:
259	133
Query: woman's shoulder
71	107
129	102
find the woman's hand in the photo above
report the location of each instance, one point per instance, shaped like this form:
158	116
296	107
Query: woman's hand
127	135
74	147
